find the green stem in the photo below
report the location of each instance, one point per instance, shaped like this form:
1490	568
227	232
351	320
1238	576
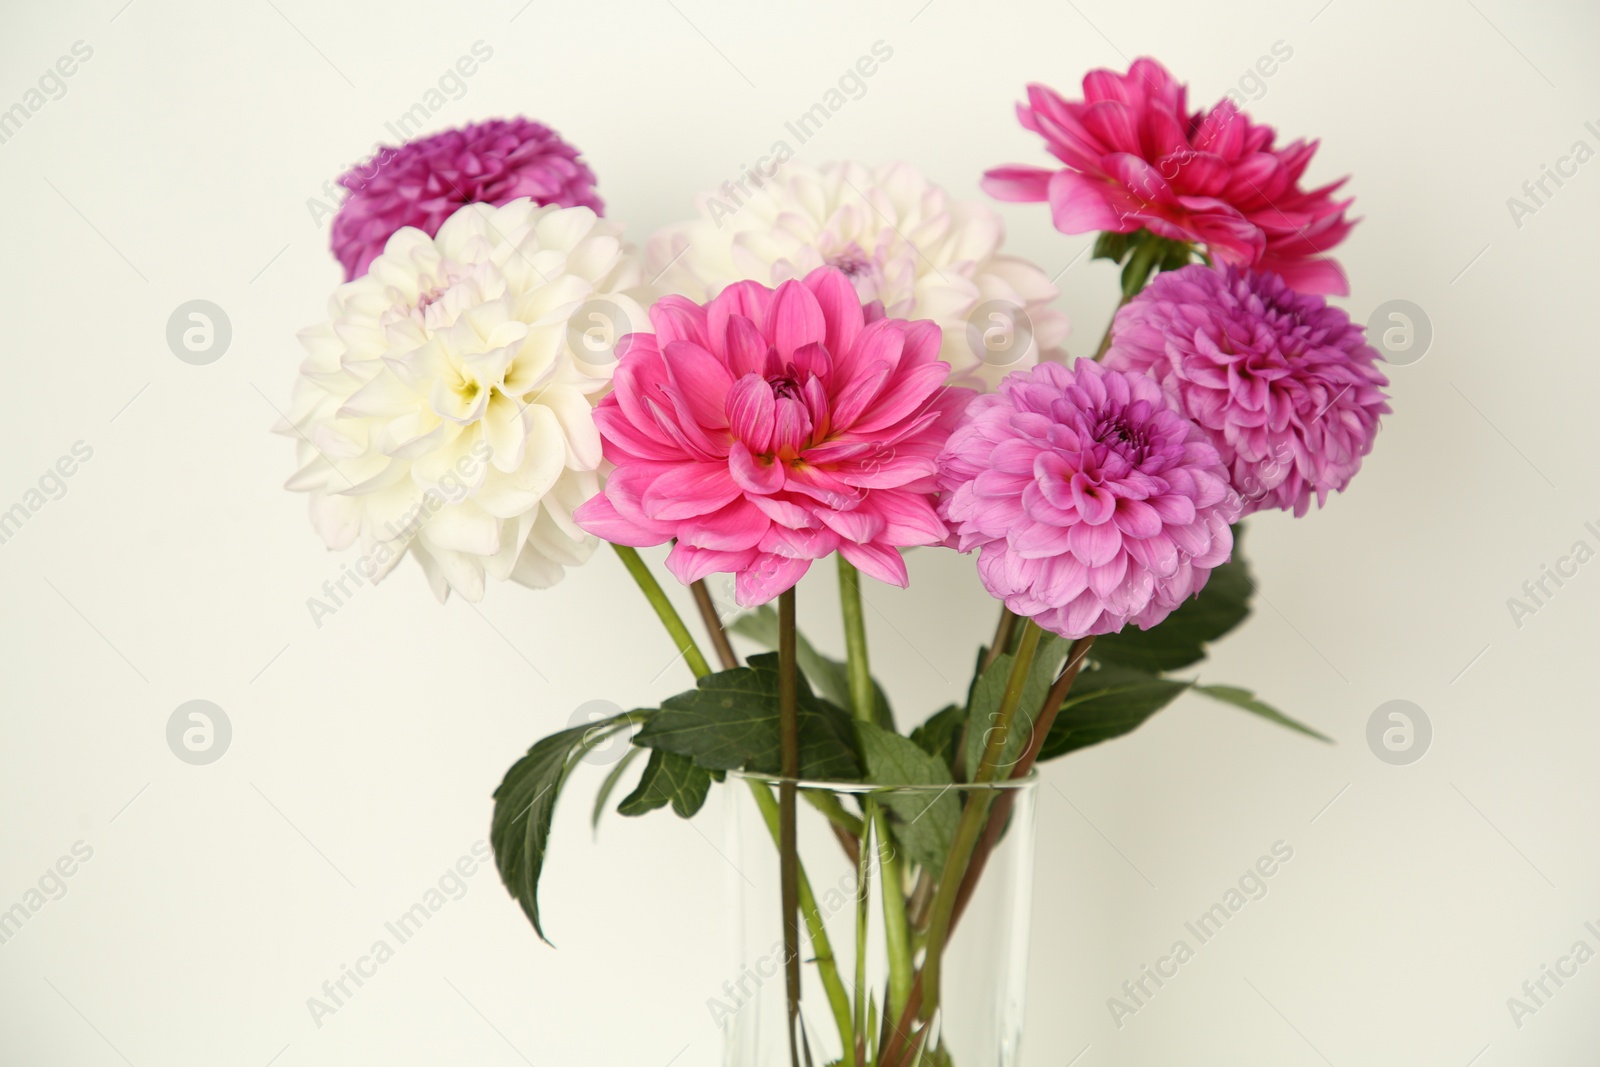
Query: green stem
855	641
897	933
669	615
788	837
1105	339
829	805
863	917
896	928
973	818
821	947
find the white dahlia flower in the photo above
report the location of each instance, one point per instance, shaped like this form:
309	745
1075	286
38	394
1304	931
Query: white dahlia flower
445	409
903	241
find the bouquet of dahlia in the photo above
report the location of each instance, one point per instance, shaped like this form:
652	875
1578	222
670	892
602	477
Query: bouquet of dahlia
848	367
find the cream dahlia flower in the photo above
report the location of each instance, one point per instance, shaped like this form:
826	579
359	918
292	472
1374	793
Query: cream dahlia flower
446	407
903	241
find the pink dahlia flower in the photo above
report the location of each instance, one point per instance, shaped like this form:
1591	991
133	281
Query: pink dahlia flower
1136	158
768	428
423	182
1092	501
1287	387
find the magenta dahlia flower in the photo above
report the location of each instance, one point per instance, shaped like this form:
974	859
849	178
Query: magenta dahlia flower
1092	501
1285	385
1136	158
768	428
423	182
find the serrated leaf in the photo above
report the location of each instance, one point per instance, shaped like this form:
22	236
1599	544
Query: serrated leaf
924	823
609	786
668	779
1105	702
730	721
830	676
525	802
1244	698
1181	638
989	691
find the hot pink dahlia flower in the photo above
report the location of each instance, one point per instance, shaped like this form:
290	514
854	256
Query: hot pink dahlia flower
1092	501
423	182
1287	387
768	428
1136	158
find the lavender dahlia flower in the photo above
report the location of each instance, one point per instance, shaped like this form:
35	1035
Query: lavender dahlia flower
423	182
1286	386
1092	501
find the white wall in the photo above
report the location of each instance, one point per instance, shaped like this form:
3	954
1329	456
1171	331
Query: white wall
178	166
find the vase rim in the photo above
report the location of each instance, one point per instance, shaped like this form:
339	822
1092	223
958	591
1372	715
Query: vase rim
1005	785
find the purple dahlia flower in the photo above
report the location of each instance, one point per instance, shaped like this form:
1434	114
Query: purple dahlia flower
1285	385
423	182
1093	502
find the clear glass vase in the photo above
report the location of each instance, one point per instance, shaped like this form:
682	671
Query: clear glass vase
863	956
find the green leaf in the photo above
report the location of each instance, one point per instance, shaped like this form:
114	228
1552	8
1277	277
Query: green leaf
990	689
1106	702
526	800
830	676
1181	638
1244	698
608	786
730	721
925	822
1112	246
668	779
939	735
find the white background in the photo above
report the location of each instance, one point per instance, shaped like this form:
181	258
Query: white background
178	166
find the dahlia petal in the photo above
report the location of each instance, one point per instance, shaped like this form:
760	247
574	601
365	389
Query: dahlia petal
745	349
751	412
689	564
601	518
859	525
754	474
676	318
1079	204
766	577
877	561
738	526
688	491
702	380
1019	184
799	542
794	319
841	308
